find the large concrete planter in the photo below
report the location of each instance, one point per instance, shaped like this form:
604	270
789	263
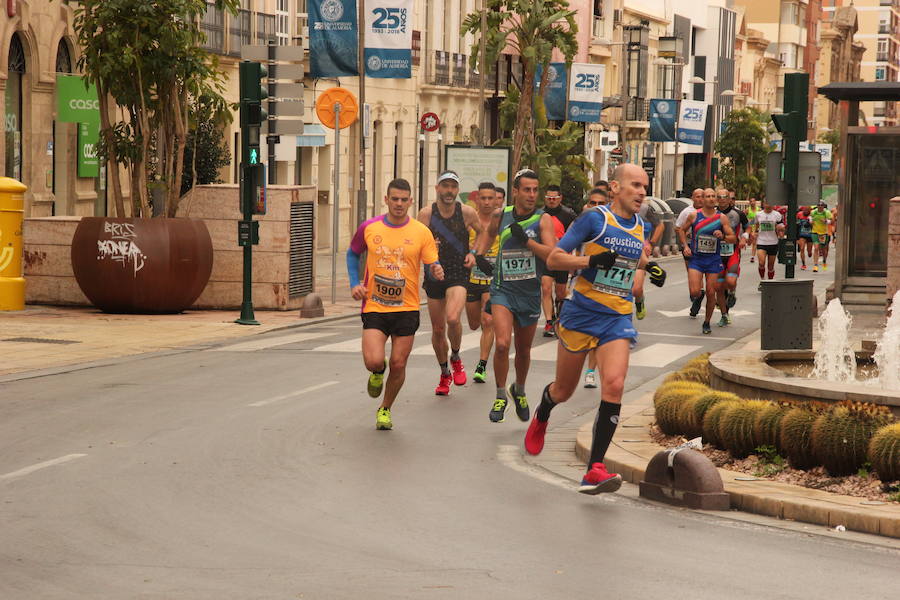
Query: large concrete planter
142	265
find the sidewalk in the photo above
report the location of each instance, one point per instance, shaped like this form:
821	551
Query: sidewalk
42	337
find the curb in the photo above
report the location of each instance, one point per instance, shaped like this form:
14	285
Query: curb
632	448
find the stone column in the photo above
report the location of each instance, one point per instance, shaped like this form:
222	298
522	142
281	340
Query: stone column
893	258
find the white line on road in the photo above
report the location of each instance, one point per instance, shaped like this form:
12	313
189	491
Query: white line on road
659	355
311	388
41	465
264	343
692	337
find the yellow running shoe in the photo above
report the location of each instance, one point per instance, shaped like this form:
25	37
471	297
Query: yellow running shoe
376	383
383	419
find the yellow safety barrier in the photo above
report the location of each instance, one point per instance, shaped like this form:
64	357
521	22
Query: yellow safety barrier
12	215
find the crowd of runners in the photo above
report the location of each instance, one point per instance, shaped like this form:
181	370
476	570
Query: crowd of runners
506	266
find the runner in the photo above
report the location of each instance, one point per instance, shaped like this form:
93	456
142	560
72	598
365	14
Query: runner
683	216
751	217
821	219
515	301
731	254
449	222
654	230
768	226
479	282
553	283
709	227
596	319
395	246
501	195
596	197
804	236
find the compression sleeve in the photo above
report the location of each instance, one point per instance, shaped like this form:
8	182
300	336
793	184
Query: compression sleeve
353	267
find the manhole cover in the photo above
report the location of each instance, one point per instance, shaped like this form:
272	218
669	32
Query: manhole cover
30	340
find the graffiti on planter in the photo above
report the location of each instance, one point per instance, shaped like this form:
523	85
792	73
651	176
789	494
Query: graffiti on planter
122	247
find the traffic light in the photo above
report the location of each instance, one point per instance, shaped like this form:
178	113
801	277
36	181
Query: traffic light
253	93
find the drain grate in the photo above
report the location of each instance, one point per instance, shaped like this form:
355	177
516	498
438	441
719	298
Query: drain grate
29	340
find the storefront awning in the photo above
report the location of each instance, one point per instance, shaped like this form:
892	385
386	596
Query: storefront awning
862	91
313	136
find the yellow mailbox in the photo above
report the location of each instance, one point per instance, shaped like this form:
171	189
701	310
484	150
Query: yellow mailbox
12	215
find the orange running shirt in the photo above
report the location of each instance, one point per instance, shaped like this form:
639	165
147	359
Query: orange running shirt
393	256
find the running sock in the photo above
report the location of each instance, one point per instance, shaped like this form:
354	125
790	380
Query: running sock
380	371
454	354
771	274
518	390
501	393
482	364
604	428
445	370
543	410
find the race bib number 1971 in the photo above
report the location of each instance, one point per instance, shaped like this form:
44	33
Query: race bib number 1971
518	265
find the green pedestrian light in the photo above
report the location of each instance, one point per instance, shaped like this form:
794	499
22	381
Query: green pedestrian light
254	156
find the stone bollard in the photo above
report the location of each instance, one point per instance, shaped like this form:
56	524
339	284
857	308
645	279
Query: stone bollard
312	307
684	477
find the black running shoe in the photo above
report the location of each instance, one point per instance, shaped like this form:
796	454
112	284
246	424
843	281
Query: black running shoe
498	410
730	299
706	327
695	306
521	403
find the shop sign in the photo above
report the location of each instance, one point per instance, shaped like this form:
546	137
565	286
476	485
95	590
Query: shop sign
76	101
88	138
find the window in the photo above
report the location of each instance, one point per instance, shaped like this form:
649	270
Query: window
282	23
13	120
790	55
790	13
880	73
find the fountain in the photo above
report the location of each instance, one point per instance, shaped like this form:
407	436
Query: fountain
835	359
887	353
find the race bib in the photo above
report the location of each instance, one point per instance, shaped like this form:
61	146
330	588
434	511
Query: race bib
726	249
706	244
767	226
617	280
518	265
478	274
388	291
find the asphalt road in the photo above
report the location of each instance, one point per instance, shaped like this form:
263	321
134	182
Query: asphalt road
254	471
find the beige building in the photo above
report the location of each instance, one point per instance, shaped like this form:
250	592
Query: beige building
839	60
758	68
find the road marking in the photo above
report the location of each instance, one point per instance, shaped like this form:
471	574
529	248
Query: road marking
311	388
545	351
511	456
41	465
687	311
262	344
354	345
691	337
469	341
659	355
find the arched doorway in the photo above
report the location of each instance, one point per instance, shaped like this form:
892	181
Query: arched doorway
63	136
13	110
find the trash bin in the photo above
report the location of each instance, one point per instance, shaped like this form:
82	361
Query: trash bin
676	205
786	315
12	213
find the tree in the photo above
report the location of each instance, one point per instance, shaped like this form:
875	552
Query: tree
531	28
744	146
204	156
147	63
833	137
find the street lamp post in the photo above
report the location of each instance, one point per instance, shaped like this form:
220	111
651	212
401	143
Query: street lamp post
679	66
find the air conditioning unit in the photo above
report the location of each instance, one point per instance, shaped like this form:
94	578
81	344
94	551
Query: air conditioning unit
617	17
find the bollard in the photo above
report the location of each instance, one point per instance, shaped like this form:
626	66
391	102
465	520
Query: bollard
684	477
12	215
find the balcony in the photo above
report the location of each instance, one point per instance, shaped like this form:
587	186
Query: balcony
882	57
212	24
239	32
440	75
458	75
638	110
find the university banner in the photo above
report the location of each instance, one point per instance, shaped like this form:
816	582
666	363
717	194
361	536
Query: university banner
388	51
333	38
692	122
555	98
662	120
586	92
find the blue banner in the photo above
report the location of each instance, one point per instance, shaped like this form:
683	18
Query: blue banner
692	122
662	120
388	52
333	38
555	98
586	92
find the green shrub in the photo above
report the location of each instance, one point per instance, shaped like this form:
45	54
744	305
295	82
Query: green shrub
669	404
884	452
795	437
767	427
712	418
736	427
841	436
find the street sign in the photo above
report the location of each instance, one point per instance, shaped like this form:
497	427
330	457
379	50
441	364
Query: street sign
349	108
285	90
787	252
284	127
809	188
273	139
430	122
248	233
282	71
286	109
282	53
649	165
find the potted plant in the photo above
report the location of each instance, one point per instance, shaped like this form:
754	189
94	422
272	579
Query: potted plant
153	80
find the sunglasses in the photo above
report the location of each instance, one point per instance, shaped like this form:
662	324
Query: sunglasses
593	203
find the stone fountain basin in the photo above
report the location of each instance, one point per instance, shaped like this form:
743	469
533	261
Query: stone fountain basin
754	374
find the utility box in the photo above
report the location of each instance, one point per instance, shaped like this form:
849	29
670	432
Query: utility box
786	315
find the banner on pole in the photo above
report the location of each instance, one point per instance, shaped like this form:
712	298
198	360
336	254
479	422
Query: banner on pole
388	51
826	151
333	38
586	92
555	96
662	120
76	100
692	122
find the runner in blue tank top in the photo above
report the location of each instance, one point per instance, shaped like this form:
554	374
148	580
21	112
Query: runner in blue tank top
526	238
597	316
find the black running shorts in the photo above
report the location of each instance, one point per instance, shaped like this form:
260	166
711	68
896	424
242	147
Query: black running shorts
401	324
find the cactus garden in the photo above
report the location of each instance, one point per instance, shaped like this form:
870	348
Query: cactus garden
849	448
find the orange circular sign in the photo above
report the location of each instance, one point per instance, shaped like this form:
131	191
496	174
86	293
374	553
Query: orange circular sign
325	107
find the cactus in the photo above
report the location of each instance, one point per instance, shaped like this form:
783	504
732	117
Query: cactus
736	427
767	427
841	436
795	437
693	412
677	385
692	374
712	419
669	403
884	452
700	363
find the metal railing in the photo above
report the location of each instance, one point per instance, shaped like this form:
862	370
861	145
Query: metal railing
458	78
212	24
238	32
638	110
441	73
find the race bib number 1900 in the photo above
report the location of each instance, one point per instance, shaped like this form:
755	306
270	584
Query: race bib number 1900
388	291
617	280
518	265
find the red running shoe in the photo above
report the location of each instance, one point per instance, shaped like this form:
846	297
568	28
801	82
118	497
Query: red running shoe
443	388
459	372
598	481
534	437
